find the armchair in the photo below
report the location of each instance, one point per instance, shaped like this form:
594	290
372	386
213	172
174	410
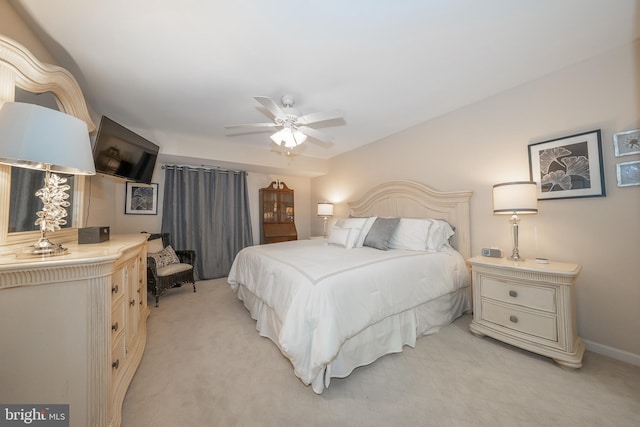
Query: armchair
166	270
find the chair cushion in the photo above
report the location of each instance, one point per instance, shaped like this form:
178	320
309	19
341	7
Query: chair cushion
173	269
154	246
165	257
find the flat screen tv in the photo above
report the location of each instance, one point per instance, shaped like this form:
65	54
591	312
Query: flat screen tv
122	153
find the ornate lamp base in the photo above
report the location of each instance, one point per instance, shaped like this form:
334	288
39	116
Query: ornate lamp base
43	248
51	217
515	256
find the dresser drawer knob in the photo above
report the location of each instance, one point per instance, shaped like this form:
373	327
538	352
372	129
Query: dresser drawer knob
132	302
115	289
115	326
513	294
514	319
116	364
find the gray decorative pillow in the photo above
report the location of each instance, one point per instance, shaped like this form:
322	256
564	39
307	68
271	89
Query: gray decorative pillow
165	257
381	232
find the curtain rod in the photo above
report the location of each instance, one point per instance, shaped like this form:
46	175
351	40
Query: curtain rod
203	168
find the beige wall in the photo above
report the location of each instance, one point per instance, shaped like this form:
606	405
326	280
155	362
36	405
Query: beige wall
486	143
13	26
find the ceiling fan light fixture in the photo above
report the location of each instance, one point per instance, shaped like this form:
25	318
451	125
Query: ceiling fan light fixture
299	136
288	137
294	128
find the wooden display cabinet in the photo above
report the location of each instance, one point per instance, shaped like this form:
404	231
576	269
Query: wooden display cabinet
277	214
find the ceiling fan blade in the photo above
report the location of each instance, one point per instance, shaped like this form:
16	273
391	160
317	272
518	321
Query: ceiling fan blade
316	134
252	125
319	117
270	105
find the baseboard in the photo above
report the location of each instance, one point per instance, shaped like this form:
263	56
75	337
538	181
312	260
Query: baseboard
614	353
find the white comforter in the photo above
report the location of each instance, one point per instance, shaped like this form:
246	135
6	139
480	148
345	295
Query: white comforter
324	294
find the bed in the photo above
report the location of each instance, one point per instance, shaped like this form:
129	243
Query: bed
331	306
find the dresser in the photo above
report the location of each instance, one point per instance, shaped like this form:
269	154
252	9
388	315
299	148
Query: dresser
528	305
73	328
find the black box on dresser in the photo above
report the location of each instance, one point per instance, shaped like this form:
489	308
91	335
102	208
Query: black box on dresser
93	235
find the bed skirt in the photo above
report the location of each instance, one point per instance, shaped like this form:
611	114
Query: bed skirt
389	335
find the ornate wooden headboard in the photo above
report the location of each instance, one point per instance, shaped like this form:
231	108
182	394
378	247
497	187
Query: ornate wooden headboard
410	199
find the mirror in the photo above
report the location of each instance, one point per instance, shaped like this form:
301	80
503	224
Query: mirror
25	182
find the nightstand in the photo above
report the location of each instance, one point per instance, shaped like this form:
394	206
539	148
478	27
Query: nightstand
528	305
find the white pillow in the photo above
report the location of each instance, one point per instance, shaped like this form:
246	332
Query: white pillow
439	235
423	234
358	226
411	234
340	237
366	227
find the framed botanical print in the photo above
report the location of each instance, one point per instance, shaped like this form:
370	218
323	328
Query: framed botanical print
628	173
626	143
141	199
568	167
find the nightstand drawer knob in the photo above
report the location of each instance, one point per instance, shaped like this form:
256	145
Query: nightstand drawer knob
514	319
513	294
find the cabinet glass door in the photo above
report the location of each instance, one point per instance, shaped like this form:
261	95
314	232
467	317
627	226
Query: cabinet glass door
270	207
286	208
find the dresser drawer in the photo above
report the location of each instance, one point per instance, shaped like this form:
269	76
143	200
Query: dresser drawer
118	356
538	298
118	321
539	325
118	287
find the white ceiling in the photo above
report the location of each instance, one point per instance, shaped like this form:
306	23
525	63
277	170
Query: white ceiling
190	67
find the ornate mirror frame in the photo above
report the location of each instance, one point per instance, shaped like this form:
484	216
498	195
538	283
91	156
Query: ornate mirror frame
20	69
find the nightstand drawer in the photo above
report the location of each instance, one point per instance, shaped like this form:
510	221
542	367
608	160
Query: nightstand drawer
511	317
524	295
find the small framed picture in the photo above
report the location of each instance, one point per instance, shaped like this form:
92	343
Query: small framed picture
568	167
141	199
627	143
628	173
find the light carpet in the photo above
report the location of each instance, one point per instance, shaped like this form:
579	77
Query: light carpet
206	365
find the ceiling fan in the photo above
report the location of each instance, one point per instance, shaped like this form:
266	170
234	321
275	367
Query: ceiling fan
292	128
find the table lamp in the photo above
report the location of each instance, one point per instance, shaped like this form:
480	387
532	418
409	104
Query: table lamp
325	210
40	138
515	198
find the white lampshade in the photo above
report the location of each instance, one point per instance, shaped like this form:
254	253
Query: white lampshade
325	209
515	198
32	137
